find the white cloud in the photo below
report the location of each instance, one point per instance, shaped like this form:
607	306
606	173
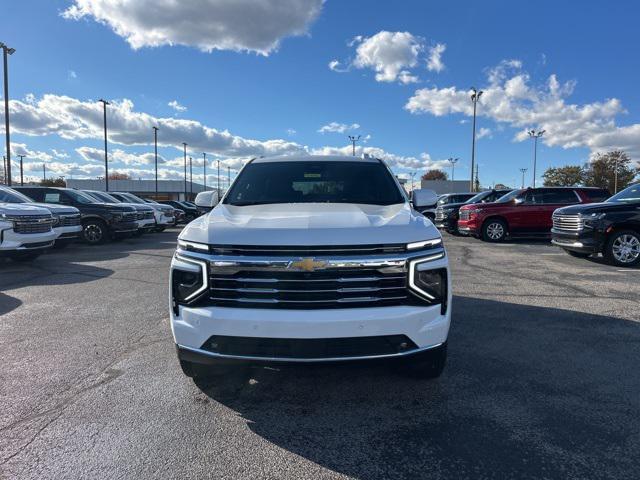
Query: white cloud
389	54
394	161
118	156
511	100
72	74
30	155
483	132
291	132
337	66
72	119
237	25
434	63
335	127
177	106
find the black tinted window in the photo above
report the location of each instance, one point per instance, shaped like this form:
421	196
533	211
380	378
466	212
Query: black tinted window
314	182
596	195
546	197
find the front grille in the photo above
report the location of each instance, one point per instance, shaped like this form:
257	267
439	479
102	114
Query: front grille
275	251
148	215
464	215
27	224
309	348
344	288
69	220
140	216
569	223
129	216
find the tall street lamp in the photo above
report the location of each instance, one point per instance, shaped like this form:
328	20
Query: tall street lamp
6	51
106	165
21	179
453	162
155	148
204	167
191	176
353	141
229	175
535	135
523	171
185	170
218	177
475	96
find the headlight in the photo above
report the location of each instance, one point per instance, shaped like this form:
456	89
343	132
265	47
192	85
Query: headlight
474	211
593	219
188	280
116	214
4	218
192	246
56	220
425	243
430	284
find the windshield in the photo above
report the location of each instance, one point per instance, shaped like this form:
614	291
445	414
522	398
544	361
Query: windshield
314	182
478	198
81	197
132	198
509	196
11	196
629	194
106	197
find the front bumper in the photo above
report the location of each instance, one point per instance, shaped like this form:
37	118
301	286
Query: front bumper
164	220
468	227
588	241
449	223
425	326
123	227
68	233
147	224
11	241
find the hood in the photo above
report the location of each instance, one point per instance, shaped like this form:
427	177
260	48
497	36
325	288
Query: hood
310	224
452	206
136	206
160	207
114	206
57	209
588	208
22	209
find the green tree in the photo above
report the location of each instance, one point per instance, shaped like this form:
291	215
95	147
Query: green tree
601	171
435	174
567	176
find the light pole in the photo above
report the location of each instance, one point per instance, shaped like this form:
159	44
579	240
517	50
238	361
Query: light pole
155	148
6	51
535	135
453	162
523	171
185	170
413	174
218	177
229	175
191	176
21	179
353	141
204	166
475	96
44	172
106	165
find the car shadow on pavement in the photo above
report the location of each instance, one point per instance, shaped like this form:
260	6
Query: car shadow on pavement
528	392
8	303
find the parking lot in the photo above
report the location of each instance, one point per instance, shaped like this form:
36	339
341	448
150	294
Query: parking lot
543	379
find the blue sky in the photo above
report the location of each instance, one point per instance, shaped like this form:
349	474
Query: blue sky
266	86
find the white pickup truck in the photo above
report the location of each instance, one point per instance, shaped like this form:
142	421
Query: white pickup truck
312	259
25	231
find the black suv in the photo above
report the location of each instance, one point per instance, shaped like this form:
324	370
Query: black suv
190	212
100	221
447	214
611	228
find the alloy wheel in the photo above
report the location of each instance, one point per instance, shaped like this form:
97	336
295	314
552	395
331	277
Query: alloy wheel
93	233
495	231
626	248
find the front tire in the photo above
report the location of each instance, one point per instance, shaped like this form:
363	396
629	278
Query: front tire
494	230
94	232
623	248
427	365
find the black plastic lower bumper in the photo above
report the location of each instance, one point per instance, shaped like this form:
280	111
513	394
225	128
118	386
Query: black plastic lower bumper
583	242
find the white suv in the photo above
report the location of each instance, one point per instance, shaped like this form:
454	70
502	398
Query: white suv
25	231
312	259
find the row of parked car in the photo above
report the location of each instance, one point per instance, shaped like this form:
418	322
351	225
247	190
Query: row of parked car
34	219
583	221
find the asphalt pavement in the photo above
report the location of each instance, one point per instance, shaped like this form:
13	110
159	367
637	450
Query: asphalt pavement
543	380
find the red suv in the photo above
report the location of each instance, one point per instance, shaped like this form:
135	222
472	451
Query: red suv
526	212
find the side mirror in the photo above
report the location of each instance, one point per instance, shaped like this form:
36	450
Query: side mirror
423	198
207	200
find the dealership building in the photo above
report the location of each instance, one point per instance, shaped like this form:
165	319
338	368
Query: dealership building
167	189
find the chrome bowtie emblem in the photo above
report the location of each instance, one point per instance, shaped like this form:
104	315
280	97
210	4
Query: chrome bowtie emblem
307	264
